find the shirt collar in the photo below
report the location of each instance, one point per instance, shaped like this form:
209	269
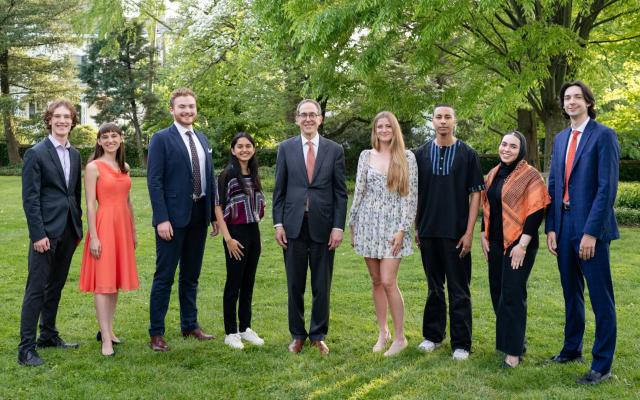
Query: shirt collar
315	140
582	126
55	142
181	129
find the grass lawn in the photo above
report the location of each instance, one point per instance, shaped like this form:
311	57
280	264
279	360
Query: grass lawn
212	370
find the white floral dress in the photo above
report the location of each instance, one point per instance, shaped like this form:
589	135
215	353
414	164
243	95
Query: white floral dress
377	214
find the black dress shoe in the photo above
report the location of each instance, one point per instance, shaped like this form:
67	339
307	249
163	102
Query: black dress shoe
99	339
29	358
56	342
593	378
563	360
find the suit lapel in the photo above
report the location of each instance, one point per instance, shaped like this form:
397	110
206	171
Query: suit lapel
584	140
320	158
56	161
180	146
74	161
564	140
298	156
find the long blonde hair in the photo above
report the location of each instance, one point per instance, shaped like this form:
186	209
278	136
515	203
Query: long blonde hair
398	173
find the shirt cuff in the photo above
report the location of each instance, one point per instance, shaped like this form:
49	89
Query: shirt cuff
277	225
338	229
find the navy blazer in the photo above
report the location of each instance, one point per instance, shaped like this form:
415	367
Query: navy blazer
327	191
46	199
592	185
170	179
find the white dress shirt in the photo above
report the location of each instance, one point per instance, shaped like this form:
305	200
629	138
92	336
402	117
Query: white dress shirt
201	153
63	155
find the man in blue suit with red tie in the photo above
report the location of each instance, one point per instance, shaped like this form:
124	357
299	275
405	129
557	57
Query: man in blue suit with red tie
580	224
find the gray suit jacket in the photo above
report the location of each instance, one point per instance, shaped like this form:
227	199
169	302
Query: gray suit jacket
327	191
46	199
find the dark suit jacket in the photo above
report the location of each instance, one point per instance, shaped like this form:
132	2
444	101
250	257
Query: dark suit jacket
327	191
46	199
592	185
170	179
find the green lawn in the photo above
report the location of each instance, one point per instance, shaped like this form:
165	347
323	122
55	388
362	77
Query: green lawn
212	370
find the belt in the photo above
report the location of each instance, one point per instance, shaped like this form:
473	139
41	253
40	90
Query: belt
566	206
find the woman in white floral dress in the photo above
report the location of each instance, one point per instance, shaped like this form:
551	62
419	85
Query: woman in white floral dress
381	220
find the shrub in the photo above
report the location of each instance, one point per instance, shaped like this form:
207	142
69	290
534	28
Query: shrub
628	216
628	195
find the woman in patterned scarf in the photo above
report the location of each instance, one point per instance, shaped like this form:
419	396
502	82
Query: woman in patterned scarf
513	206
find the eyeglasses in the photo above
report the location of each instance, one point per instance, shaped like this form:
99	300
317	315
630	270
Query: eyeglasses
308	115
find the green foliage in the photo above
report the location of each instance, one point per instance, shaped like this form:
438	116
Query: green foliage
83	135
628	195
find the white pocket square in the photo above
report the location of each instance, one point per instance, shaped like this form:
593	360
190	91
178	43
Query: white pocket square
209	151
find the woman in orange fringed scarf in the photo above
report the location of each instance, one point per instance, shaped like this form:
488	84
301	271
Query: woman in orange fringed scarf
513	206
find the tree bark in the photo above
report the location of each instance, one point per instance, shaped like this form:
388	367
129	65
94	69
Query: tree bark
7	110
527	126
137	134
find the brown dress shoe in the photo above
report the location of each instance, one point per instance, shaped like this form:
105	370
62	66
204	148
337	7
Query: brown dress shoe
321	345
296	345
198	334
157	343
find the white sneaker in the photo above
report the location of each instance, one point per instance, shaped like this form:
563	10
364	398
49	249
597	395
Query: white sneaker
428	346
252	337
233	340
460	354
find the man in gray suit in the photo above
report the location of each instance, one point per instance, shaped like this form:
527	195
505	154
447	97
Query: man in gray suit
309	211
51	200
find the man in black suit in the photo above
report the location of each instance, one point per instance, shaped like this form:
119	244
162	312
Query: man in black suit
183	192
309	211
51	199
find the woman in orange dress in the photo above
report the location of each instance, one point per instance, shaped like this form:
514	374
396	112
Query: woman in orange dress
108	260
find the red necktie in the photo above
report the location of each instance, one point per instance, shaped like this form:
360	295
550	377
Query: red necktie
569	164
311	160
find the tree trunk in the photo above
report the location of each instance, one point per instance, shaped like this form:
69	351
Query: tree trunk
7	110
553	122
527	126
138	133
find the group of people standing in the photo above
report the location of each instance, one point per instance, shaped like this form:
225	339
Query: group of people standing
438	189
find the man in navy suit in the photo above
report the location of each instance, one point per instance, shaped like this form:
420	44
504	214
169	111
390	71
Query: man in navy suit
51	200
183	190
309	211
580	225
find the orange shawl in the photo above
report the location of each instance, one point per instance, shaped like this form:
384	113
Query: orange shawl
523	193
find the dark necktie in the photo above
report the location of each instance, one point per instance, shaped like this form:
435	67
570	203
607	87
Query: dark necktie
195	166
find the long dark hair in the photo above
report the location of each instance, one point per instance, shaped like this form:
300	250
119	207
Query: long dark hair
233	169
99	151
586	93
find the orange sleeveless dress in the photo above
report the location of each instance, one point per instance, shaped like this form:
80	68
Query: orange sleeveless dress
116	267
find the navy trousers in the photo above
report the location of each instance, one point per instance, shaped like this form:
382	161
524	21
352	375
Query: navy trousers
597	273
187	248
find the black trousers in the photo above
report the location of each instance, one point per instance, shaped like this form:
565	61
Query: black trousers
187	248
441	262
508	288
303	253
241	276
47	275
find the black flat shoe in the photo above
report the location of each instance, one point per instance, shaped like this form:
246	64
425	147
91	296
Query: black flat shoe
56	342
99	339
563	360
